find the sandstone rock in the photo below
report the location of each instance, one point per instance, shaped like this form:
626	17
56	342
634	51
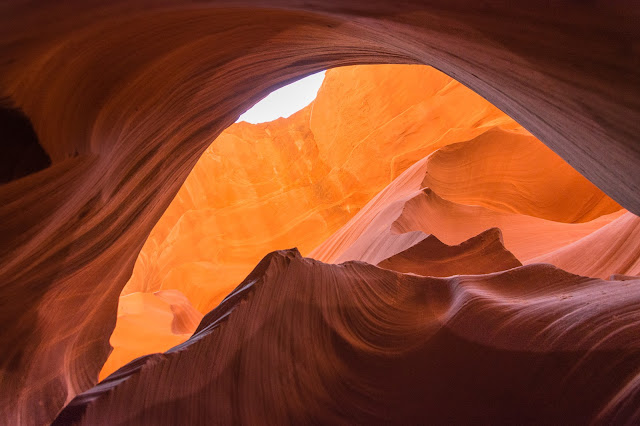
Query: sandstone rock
124	97
148	323
295	181
404	213
613	249
481	254
300	341
513	172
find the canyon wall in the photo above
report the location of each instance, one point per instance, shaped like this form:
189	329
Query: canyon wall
124	97
373	346
295	181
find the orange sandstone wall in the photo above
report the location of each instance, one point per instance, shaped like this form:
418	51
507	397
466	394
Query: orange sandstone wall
296	181
125	95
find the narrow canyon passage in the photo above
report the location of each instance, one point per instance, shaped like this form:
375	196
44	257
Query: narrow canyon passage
297	181
398	166
439	277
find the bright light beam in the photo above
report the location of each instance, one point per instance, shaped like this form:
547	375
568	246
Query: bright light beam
285	101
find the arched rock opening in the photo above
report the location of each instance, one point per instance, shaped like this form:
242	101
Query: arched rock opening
126	96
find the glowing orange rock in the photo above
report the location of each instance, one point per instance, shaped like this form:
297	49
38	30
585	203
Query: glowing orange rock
148	323
513	172
404	213
296	181
525	236
124	96
376	121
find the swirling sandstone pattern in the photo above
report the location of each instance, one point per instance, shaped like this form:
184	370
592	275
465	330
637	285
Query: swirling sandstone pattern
613	249
124	96
390	348
514	173
479	255
405	212
295	181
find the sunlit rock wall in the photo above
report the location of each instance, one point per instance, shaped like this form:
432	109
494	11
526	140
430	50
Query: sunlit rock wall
296	181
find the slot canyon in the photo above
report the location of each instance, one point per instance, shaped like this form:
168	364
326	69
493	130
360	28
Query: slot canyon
447	234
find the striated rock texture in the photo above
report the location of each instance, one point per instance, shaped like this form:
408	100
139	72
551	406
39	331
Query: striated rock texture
148	323
481	254
613	249
406	212
514	173
124	96
295	181
370	346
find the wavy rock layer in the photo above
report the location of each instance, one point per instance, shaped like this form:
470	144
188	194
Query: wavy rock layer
479	255
613	249
300	342
405	212
514	173
124	96
295	181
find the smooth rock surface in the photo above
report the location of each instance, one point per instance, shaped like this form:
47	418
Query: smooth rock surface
614	247
301	342
295	181
150	322
124	97
405	212
482	254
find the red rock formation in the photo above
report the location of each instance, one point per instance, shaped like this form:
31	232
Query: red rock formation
513	172
124	97
295	181
403	214
482	254
370	346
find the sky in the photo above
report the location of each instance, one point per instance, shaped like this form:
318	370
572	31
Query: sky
285	101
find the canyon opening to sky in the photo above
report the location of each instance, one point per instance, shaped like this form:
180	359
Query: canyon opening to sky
441	228
393	165
287	100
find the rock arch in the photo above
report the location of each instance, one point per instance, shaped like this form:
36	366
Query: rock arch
125	96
